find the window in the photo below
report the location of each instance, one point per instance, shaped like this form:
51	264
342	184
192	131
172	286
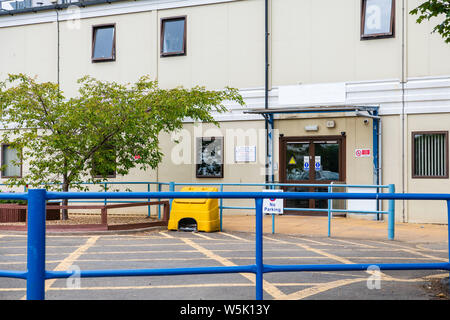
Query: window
430	154
104	43
104	163
11	166
377	19
209	157
173	36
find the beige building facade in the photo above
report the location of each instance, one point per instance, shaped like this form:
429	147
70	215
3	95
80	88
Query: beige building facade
338	94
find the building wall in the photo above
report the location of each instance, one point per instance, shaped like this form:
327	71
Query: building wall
311	42
319	41
225	45
19	52
135	50
432	211
427	53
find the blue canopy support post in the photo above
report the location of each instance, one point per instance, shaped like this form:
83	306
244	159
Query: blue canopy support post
36	244
270	170
376	153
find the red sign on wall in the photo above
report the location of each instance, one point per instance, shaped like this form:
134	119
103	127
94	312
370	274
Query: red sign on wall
359	153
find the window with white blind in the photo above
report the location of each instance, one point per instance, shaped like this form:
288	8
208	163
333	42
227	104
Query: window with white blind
430	154
173	36
10	162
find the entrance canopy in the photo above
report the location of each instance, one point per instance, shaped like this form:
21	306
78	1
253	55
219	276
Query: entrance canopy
364	111
371	110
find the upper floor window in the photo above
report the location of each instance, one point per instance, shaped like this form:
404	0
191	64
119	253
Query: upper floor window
10	162
104	43
430	154
377	19
173	36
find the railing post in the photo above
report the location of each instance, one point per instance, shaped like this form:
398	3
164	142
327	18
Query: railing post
259	248
171	189
391	214
273	216
220	207
448	235
148	207
329	211
159	199
105	185
36	244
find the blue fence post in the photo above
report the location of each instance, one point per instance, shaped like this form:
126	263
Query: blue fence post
159	199
329	212
259	248
391	214
272	187
448	235
220	207
105	185
148	207
171	189
36	244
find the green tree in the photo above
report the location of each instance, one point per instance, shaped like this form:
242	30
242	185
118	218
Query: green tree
435	8
108	127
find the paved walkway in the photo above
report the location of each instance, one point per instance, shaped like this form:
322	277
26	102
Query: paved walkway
340	228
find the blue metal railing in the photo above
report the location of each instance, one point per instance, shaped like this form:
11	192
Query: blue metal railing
172	185
221	186
390	211
36	275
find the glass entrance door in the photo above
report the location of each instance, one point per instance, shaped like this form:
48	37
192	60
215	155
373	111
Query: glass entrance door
313	160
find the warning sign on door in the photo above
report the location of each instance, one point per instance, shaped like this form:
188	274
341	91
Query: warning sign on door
292	161
360	153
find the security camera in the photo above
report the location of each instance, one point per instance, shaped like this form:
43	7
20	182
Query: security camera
366	121
343	133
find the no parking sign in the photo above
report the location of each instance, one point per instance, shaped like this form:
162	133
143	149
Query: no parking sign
272	206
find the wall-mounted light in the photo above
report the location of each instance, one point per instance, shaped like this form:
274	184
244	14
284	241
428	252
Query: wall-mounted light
331	124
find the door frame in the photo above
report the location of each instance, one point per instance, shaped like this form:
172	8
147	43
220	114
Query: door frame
282	160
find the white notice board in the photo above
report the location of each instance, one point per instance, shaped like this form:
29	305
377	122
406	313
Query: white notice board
245	154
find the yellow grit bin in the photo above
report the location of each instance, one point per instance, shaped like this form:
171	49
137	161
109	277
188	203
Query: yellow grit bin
205	212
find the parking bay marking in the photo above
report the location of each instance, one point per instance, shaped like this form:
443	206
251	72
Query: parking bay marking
268	287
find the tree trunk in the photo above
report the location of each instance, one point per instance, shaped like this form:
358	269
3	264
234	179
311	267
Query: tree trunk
65	212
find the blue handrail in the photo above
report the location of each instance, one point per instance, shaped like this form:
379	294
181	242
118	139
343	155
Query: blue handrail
172	185
36	275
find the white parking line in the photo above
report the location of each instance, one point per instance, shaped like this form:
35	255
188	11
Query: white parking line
268	287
